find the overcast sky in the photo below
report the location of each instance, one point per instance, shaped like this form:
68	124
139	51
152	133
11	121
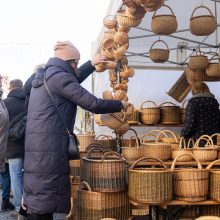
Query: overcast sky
30	28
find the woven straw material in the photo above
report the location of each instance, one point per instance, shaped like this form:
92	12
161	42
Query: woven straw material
108	40
190	184
152	5
149	185
110	21
134	117
105	174
124	20
164	24
202	25
135	12
213	70
99	205
85	140
120	38
107	142
74	167
213	210
198	62
98	120
111	121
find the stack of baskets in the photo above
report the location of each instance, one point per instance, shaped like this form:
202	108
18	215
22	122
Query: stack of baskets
102	194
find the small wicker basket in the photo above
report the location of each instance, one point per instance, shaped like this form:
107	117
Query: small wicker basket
213	69
110	21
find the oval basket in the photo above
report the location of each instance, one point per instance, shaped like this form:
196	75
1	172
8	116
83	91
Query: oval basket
202	25
207	152
214	180
106	173
169	113
149	115
164	24
149	185
158	55
98	205
190	184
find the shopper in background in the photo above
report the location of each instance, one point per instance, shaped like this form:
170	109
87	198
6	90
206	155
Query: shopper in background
46	164
202	114
4	169
15	103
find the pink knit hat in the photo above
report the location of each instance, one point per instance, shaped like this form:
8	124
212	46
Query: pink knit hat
65	50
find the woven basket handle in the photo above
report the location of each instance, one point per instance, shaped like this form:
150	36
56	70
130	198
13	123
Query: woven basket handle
109	153
183	104
159	41
94	149
167	6
172	134
212	164
146	135
148	158
136	139
167	103
206	138
201	6
214	57
190	141
122	120
85	185
190	154
103	137
216	134
182	141
148	101
150	134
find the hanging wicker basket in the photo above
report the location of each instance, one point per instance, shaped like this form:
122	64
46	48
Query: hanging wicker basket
149	185
207	152
182	111
110	21
149	115
152	5
107	141
213	69
120	38
164	24
169	113
158	55
202	25
133	118
214	181
190	184
98	205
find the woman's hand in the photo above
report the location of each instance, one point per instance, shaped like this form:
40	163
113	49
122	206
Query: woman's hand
98	58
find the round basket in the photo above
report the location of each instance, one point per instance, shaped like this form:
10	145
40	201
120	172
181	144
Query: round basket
137	12
198	75
198	61
169	113
213	69
202	25
190	184
106	173
207	152
107	142
98	205
159	55
150	115
110	21
214	180
182	149
152	5
112	120
133	118
85	140
149	185
120	38
164	24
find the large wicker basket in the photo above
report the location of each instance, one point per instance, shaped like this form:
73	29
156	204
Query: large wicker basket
85	140
169	113
164	24
149	115
190	184
214	181
98	205
202	25
149	185
106	173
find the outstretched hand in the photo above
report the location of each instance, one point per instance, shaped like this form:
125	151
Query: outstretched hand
98	58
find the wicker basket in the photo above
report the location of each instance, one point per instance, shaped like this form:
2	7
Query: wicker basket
85	140
74	168
182	111
133	118
108	40
137	12
149	185
112	120
152	5
207	152
214	181
107	142
106	173
190	184
99	205
120	38
198	61
110	21
182	149
164	24
213	69
158	55
202	25
169	113
150	115
180	89
172	137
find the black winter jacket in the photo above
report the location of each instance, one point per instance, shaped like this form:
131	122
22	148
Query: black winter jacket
46	164
15	103
202	116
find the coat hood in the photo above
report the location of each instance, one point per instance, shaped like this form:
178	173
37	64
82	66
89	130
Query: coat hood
17	93
57	65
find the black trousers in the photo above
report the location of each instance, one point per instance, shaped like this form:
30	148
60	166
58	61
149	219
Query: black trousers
40	217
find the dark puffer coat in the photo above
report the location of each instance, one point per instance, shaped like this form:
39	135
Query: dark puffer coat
46	165
202	116
15	103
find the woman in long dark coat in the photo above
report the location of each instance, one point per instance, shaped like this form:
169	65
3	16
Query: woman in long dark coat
46	164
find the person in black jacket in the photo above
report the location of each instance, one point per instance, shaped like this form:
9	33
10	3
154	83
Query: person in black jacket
46	164
15	104
202	114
